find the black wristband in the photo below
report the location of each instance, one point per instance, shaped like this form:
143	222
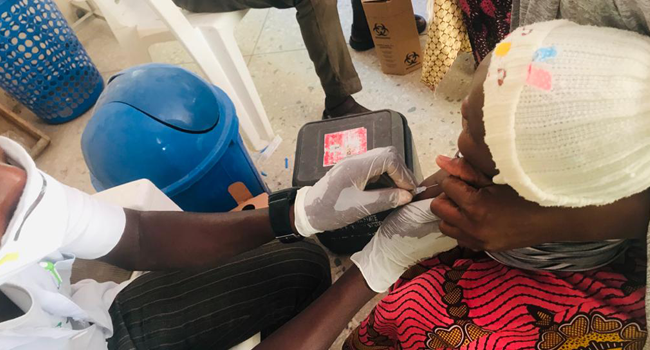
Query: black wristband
279	213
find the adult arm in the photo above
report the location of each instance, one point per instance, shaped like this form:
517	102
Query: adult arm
484	216
165	240
169	240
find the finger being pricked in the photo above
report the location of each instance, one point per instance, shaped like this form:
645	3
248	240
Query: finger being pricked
462	169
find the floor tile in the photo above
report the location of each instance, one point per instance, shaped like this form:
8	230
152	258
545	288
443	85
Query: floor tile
193	67
101	45
171	52
345	15
281	32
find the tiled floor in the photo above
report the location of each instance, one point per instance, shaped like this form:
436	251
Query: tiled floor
272	45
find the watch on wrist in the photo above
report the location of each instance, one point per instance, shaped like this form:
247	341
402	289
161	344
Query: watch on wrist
280	203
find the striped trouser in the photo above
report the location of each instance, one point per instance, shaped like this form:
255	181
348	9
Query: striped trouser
217	308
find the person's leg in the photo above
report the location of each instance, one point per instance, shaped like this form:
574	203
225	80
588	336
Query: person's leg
218	6
360	37
321	31
218	308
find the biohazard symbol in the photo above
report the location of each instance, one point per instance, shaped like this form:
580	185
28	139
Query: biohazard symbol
380	30
411	58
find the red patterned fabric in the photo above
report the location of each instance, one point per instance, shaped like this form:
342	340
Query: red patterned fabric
458	302
487	23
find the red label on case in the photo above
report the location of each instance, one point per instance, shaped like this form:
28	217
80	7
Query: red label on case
345	143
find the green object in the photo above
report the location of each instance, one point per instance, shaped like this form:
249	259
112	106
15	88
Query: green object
48	266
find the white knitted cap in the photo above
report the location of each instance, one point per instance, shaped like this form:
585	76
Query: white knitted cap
567	113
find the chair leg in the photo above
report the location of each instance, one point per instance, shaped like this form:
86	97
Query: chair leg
253	119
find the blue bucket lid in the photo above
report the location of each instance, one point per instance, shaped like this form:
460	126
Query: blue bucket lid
167	94
134	133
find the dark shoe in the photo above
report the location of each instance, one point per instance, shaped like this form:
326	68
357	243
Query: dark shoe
361	40
420	23
348	107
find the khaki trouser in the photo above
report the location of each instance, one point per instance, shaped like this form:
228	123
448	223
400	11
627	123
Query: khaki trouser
321	31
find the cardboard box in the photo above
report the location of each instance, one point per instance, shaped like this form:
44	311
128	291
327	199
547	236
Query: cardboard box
395	35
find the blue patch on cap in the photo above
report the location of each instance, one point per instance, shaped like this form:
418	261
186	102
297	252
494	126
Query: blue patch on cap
544	53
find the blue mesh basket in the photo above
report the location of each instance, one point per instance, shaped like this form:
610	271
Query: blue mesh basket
42	63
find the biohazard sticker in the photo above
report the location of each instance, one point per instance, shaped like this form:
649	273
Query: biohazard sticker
345	143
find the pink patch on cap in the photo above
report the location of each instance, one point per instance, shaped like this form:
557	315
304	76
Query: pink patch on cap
539	78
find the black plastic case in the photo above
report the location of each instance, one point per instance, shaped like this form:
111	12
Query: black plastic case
384	128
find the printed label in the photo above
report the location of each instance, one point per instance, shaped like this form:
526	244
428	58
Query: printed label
345	143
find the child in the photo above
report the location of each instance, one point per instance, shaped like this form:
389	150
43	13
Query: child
561	115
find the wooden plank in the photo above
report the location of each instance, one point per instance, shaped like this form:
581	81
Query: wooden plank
23	132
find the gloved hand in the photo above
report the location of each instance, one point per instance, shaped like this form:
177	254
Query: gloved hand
339	199
406	236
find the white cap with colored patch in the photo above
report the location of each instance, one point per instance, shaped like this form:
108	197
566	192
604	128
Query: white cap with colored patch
567	113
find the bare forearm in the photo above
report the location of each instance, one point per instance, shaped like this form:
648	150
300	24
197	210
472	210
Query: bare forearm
318	326
624	219
178	240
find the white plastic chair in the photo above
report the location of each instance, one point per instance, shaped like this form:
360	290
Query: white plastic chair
207	37
145	196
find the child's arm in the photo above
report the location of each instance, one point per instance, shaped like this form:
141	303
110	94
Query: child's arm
495	218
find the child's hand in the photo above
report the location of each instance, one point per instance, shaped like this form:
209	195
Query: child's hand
458	167
434	181
492	218
483	216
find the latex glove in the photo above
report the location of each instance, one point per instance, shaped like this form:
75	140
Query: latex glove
406	236
339	199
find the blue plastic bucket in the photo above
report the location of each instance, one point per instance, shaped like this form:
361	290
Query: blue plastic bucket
42	63
166	124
